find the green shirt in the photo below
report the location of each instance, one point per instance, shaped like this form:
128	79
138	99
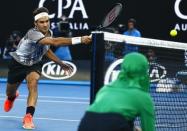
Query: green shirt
128	95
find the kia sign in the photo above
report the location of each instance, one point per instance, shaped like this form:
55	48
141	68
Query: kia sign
54	71
157	72
112	72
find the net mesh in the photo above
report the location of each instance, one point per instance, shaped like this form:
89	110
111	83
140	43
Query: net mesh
168	74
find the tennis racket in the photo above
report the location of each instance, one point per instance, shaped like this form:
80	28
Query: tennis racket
111	16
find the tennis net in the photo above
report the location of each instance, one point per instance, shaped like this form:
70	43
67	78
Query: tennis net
168	73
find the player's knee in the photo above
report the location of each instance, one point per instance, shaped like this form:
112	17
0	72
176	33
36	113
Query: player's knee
32	81
32	84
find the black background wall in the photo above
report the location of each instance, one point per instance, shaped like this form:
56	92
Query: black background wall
155	18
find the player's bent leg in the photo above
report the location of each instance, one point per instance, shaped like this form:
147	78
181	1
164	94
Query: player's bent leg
11	89
32	83
12	94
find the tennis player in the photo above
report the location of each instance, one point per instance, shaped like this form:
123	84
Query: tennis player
119	103
26	62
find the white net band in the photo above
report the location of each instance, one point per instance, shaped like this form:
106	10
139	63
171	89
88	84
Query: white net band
144	41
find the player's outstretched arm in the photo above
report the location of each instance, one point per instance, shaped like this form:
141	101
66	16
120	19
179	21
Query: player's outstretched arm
54	58
65	41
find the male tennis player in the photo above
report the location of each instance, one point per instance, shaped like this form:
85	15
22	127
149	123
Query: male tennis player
26	62
119	103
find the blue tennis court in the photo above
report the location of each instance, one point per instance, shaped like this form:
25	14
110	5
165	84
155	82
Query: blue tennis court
60	106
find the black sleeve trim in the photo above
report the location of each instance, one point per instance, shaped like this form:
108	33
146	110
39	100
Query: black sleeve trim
40	39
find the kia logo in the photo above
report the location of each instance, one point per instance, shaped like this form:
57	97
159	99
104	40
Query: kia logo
156	72
54	71
111	73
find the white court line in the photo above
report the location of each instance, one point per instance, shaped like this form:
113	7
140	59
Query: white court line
42	118
54	97
51	101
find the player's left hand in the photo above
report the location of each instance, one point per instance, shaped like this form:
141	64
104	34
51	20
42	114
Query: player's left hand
86	39
68	69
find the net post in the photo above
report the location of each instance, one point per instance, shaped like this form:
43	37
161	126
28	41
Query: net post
97	64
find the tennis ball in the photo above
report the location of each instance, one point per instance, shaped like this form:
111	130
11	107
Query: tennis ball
173	32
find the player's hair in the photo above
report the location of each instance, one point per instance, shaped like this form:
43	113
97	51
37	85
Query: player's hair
40	10
132	20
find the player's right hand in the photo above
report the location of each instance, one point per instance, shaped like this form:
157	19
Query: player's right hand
86	39
68	69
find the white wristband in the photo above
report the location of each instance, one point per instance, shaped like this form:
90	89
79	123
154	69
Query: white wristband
76	40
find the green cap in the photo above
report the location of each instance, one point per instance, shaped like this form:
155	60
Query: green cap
134	71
